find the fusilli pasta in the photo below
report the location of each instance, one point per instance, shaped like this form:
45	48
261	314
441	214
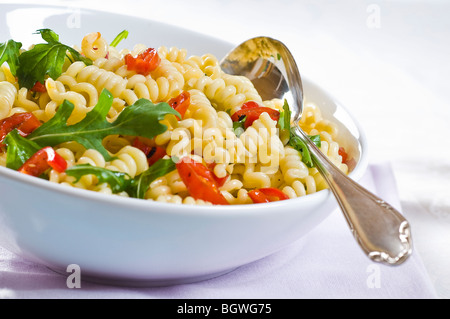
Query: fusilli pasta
238	159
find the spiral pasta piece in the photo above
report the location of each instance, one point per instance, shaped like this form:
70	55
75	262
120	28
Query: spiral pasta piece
130	160
158	188
6	74
262	143
94	46
201	109
90	156
8	94
241	198
207	63
162	84
99	78
173	54
87	90
292	167
26	103
58	95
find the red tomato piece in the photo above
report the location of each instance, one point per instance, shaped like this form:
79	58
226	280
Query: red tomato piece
200	181
267	195
252	111
153	153
138	143
39	87
25	123
156	153
343	154
181	103
250	105
144	63
42	160
350	162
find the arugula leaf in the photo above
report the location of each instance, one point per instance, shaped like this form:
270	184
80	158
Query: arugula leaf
45	59
120	182
48	35
9	52
19	149
140	119
316	139
297	143
121	36
239	126
142	181
284	122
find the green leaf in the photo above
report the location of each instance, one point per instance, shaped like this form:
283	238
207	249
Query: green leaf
143	119
316	140
297	143
9	52
284	122
45	59
121	36
140	119
48	35
142	182
19	149
118	181
239	126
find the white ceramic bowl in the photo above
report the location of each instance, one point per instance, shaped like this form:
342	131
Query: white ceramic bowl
142	243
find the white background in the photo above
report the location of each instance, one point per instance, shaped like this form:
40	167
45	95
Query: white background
386	61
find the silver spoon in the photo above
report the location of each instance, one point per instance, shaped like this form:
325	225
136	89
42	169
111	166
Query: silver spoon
380	230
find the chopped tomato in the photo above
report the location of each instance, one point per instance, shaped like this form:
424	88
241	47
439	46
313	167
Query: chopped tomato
350	162
250	105
42	160
200	181
153	153
251	111
156	153
25	123
39	87
181	103
138	143
343	154
267	195
144	63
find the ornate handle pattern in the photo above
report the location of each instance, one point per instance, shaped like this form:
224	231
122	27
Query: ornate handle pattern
381	231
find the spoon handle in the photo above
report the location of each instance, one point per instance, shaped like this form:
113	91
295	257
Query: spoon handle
380	230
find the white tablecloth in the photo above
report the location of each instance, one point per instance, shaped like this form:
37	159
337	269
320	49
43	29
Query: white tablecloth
326	263
387	62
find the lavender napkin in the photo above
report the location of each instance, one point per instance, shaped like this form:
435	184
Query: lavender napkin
326	263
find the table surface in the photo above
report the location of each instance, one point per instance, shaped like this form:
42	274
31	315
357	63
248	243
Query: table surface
386	61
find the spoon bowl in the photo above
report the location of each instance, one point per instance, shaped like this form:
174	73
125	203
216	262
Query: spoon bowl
380	230
262	60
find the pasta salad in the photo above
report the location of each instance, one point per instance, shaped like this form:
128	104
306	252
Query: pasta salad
152	123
